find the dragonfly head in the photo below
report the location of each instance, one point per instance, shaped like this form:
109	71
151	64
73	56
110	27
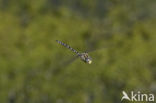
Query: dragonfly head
88	60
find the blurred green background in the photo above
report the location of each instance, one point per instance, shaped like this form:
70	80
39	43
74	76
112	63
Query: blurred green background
34	68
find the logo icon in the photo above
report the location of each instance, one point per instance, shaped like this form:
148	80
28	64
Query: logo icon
125	96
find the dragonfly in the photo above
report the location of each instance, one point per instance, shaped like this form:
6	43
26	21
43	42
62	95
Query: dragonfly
84	56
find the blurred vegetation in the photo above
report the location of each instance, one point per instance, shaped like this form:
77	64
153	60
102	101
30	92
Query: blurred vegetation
35	69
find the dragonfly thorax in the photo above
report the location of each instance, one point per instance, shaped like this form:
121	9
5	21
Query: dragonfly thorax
86	58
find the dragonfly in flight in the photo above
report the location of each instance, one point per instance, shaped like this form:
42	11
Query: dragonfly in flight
83	56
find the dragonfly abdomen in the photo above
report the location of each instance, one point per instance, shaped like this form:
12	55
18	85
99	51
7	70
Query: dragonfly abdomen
67	46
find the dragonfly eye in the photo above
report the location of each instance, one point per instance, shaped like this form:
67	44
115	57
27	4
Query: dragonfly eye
88	60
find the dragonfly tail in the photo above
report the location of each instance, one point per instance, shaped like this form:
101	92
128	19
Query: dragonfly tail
67	46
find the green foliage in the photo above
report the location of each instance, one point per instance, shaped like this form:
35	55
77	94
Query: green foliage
35	69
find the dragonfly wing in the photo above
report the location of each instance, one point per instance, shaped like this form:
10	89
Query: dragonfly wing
94	50
63	65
